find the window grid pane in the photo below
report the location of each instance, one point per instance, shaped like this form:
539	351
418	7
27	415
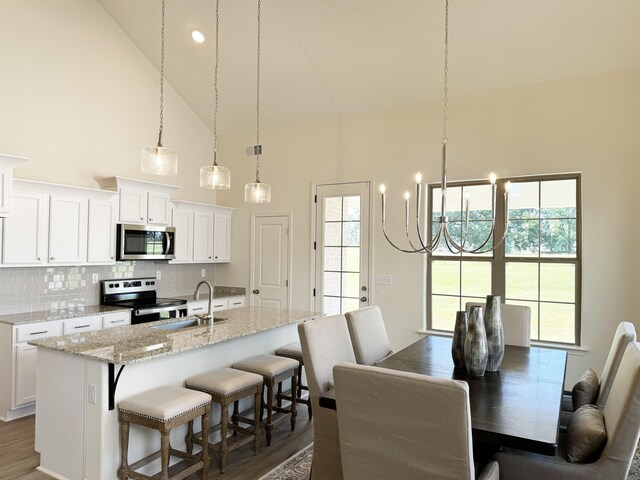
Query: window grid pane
543	224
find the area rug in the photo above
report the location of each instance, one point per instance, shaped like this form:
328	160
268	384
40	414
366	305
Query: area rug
299	466
293	468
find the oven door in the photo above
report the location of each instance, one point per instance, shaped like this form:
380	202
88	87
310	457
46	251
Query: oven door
145	242
153	314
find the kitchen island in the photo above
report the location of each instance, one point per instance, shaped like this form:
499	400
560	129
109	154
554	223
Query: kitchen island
82	377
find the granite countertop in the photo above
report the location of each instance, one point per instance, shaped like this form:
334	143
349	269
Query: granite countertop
62	314
137	343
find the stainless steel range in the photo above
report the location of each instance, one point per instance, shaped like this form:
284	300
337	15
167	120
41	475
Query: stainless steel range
140	294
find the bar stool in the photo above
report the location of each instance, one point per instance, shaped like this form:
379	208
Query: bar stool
273	370
161	409
294	350
225	386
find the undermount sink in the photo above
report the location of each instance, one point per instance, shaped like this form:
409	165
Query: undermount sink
192	322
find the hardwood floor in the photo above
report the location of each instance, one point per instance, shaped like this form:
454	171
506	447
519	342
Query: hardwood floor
18	460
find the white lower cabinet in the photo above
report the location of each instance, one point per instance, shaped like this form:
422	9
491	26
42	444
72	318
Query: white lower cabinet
81	324
219	304
116	319
25	359
236	302
197	307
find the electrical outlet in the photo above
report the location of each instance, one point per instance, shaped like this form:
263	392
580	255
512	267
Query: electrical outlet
94	278
384	279
203	273
92	394
159	275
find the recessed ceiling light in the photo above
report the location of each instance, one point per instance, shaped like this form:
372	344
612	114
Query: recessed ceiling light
197	36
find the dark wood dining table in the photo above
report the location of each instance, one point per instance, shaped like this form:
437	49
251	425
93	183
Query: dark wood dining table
517	407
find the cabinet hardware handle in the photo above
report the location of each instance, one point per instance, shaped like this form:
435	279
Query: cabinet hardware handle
216	256
237	303
53	258
363	299
210	258
82	326
114	321
218	306
142	218
39	333
111	257
151	219
39	258
198	309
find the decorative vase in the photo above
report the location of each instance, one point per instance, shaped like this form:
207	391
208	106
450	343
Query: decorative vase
475	344
459	335
495	333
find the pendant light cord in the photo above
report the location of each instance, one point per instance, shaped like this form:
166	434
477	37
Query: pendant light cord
258	96
215	86
446	72
161	77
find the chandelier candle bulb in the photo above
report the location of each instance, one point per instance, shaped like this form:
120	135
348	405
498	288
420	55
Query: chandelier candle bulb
407	196
492	178
418	177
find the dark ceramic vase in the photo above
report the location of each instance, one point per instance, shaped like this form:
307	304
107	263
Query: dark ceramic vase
475	344
495	333
459	335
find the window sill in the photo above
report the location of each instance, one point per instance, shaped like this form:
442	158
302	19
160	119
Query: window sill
572	349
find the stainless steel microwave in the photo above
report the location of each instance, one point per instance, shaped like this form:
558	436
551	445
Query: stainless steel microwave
145	242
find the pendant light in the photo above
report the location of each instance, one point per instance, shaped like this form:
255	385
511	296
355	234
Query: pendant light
159	160
257	192
214	176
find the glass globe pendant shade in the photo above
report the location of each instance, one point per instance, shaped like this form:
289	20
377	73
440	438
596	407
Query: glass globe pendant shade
215	177
159	161
257	192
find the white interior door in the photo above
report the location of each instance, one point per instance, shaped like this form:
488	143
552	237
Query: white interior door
342	247
270	261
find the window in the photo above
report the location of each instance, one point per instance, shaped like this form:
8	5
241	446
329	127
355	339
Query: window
538	265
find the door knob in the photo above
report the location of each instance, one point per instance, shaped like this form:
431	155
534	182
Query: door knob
363	299
256	291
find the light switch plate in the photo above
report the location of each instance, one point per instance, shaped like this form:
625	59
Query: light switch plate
159	275
94	278
203	273
384	279
92	394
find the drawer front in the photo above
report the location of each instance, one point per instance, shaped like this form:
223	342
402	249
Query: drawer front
82	324
220	304
236	302
197	308
34	331
117	319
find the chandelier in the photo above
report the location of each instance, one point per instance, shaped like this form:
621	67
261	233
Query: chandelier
215	177
442	233
156	159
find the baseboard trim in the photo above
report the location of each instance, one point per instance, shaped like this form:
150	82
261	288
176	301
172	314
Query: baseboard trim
46	471
19	413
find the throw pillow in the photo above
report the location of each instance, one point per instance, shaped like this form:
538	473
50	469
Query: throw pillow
585	391
586	434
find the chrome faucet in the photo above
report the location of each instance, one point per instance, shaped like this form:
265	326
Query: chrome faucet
196	296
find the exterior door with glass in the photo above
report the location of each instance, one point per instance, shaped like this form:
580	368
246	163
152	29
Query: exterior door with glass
342	247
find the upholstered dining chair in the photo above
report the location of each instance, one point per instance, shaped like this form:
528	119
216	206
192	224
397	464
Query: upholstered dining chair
622	420
325	342
516	320
625	333
368	335
385	433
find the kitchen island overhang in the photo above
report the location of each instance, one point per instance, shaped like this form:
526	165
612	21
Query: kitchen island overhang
77	433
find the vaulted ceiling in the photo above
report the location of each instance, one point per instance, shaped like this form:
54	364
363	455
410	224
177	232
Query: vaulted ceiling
327	58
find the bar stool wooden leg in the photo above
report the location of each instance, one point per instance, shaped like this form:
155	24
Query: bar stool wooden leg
294	413
224	449
256	426
205	446
164	454
234	417
124	449
279	395
189	437
263	405
300	381
269	424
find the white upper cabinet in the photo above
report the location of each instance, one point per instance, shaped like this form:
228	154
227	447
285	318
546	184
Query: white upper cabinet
182	220
7	164
158	209
102	232
203	237
59	225
141	202
206	229
222	236
133	205
67	229
25	233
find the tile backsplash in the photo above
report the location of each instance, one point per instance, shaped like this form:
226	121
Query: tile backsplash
34	289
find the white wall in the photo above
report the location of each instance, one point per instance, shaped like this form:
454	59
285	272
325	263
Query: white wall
584	124
80	99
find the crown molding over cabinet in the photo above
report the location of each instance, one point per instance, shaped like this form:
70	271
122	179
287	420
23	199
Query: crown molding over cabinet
7	164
